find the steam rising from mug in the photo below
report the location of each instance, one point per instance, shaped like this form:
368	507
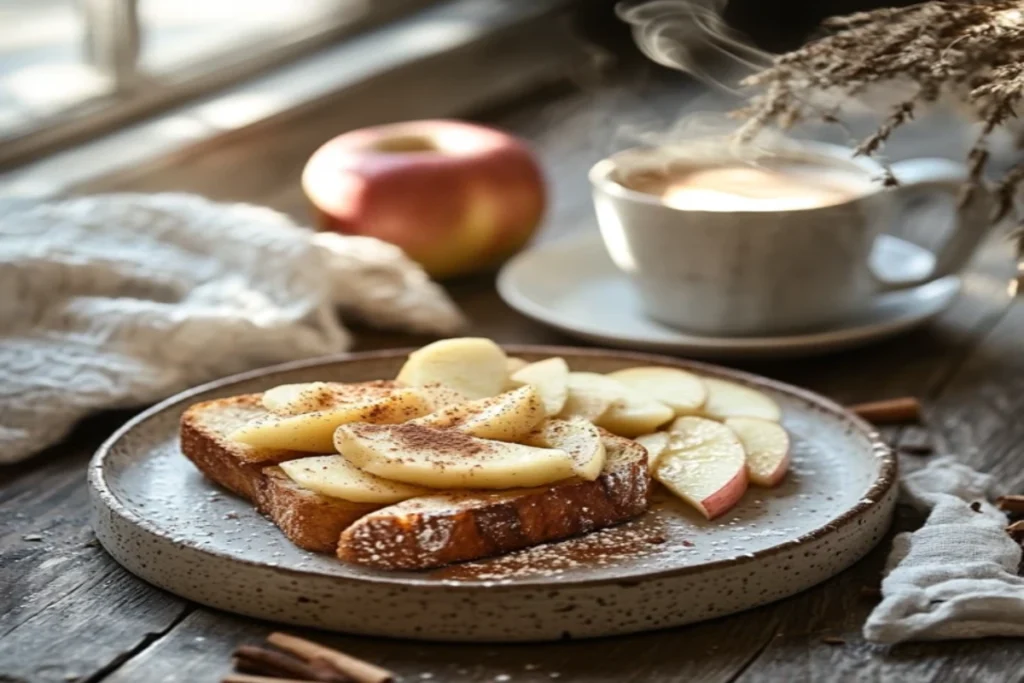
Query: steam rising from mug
689	35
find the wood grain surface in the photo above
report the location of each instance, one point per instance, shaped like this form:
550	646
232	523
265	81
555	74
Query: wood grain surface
69	613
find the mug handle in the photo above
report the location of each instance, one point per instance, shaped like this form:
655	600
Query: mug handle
930	176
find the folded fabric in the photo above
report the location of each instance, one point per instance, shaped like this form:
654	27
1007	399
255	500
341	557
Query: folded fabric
956	576
121	300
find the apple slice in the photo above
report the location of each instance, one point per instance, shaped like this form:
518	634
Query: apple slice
447	458
767	447
474	367
633	414
440	397
514	364
590	395
505	417
294	399
728	399
681	391
333	475
577	437
314	432
550	377
655	444
705	465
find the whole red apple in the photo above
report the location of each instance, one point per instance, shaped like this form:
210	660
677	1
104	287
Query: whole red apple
456	197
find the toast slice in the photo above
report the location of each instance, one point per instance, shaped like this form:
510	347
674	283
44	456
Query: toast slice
432	531
310	520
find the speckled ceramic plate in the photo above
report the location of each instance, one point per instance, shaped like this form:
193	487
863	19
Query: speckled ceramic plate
164	522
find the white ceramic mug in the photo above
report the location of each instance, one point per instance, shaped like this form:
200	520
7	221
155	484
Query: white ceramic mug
773	271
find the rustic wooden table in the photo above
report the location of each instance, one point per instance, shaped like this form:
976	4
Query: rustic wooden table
69	613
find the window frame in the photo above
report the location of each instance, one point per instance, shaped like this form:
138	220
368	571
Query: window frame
113	45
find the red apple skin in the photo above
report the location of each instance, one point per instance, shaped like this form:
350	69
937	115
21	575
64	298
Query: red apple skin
467	202
725	498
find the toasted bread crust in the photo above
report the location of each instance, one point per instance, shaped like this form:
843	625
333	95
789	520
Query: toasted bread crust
310	520
432	531
213	455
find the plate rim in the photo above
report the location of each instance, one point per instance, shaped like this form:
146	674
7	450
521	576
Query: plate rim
837	338
874	495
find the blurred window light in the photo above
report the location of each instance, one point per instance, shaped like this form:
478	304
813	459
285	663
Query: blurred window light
87	65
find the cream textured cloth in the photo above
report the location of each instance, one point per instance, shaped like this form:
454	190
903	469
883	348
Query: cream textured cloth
956	576
121	300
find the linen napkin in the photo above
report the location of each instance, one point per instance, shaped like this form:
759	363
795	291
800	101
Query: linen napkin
121	300
956	576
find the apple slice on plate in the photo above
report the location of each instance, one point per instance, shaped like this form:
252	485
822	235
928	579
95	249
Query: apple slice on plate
333	475
655	443
506	417
682	391
550	377
590	395
634	413
767	446
705	465
314	432
729	399
577	437
473	366
447	458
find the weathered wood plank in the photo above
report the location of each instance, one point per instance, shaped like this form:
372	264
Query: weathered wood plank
199	649
67	611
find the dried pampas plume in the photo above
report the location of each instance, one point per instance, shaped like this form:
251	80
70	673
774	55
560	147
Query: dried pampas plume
971	51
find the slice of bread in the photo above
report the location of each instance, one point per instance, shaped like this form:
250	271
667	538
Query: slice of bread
432	531
311	520
420	533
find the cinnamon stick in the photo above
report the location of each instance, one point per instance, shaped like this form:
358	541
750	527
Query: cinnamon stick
357	669
1013	503
247	678
890	411
1016	531
265	662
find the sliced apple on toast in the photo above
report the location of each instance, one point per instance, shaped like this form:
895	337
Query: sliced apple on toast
314	432
767	446
333	475
440	396
682	391
514	364
295	399
550	377
448	459
453	526
474	367
729	399
577	437
506	417
705	465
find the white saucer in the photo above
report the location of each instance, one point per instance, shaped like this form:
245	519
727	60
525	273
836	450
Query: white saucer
572	285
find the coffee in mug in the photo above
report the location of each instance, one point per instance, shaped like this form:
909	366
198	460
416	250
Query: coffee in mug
747	187
755	241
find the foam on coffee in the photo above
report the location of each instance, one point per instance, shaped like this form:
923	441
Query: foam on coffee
747	187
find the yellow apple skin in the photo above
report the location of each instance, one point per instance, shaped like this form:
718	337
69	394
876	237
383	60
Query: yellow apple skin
455	196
